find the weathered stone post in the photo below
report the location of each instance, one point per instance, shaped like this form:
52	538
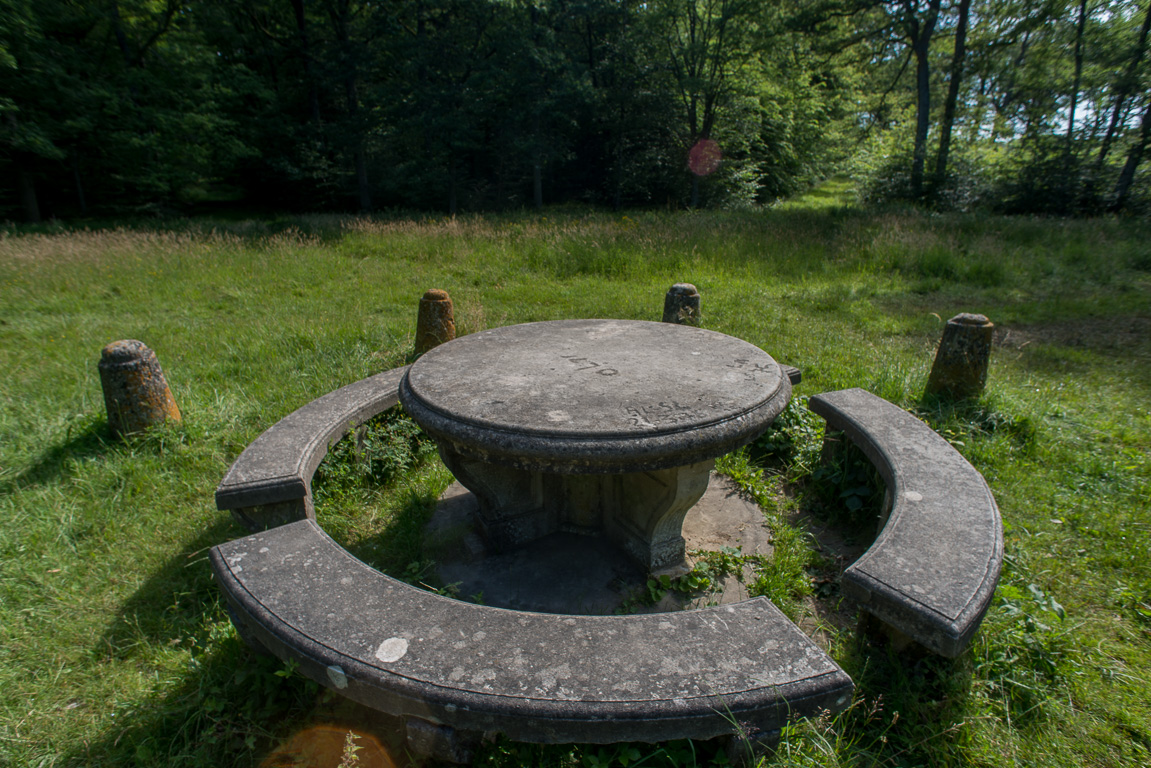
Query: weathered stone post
435	323
136	394
681	305
960	369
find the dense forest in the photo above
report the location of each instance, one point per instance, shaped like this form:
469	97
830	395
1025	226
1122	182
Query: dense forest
115	107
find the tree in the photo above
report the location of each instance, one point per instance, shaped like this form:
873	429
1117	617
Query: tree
1077	81
706	45
1134	157
918	23
954	82
1124	87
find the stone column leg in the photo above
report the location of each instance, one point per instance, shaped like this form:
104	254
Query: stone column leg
641	512
645	511
441	742
511	501
579	502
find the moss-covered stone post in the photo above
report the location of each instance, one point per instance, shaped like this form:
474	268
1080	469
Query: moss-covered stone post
681	305
960	369
435	323
136	394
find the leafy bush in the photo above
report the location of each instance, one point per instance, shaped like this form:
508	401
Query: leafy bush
794	439
1041	177
848	485
1024	651
375	453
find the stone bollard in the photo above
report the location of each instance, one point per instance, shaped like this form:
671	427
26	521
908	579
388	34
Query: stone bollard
681	305
960	368
435	323
136	394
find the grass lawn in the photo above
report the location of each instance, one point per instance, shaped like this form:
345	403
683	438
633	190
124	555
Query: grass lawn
115	649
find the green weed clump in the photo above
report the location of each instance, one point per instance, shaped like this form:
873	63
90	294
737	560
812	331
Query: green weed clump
371	455
377	487
115	649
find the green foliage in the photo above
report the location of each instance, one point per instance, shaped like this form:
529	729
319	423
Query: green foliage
349	757
705	577
783	577
148	108
1026	67
1027	654
793	440
847	484
451	104
380	450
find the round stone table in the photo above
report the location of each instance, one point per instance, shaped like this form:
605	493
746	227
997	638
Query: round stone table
592	426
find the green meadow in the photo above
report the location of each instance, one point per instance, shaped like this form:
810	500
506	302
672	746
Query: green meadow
116	650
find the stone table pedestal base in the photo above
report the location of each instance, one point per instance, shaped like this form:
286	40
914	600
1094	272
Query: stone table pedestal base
641	512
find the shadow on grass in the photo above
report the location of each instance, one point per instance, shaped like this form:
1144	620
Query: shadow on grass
916	700
173	606
228	706
395	545
93	440
235	707
232	706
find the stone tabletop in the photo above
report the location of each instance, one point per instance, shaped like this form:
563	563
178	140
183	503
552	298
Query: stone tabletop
595	396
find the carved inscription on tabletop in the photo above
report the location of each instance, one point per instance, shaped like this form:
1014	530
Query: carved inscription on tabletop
590	365
668	413
748	368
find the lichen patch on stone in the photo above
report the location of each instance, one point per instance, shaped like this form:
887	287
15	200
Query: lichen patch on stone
338	677
392	649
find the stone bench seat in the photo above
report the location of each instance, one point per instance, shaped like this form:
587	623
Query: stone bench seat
544	678
933	568
270	483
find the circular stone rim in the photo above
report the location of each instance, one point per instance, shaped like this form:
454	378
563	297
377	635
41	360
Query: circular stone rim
601	453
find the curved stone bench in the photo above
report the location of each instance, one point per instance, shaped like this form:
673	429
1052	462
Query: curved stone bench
549	678
544	678
270	483
933	568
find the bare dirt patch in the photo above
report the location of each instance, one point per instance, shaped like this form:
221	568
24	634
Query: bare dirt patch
827	611
1126	333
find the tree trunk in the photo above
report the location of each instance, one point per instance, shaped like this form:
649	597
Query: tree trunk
351	96
952	93
1078	75
28	199
121	38
920	37
306	55
617	193
452	201
80	197
1127	175
537	166
134	53
364	188
922	119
